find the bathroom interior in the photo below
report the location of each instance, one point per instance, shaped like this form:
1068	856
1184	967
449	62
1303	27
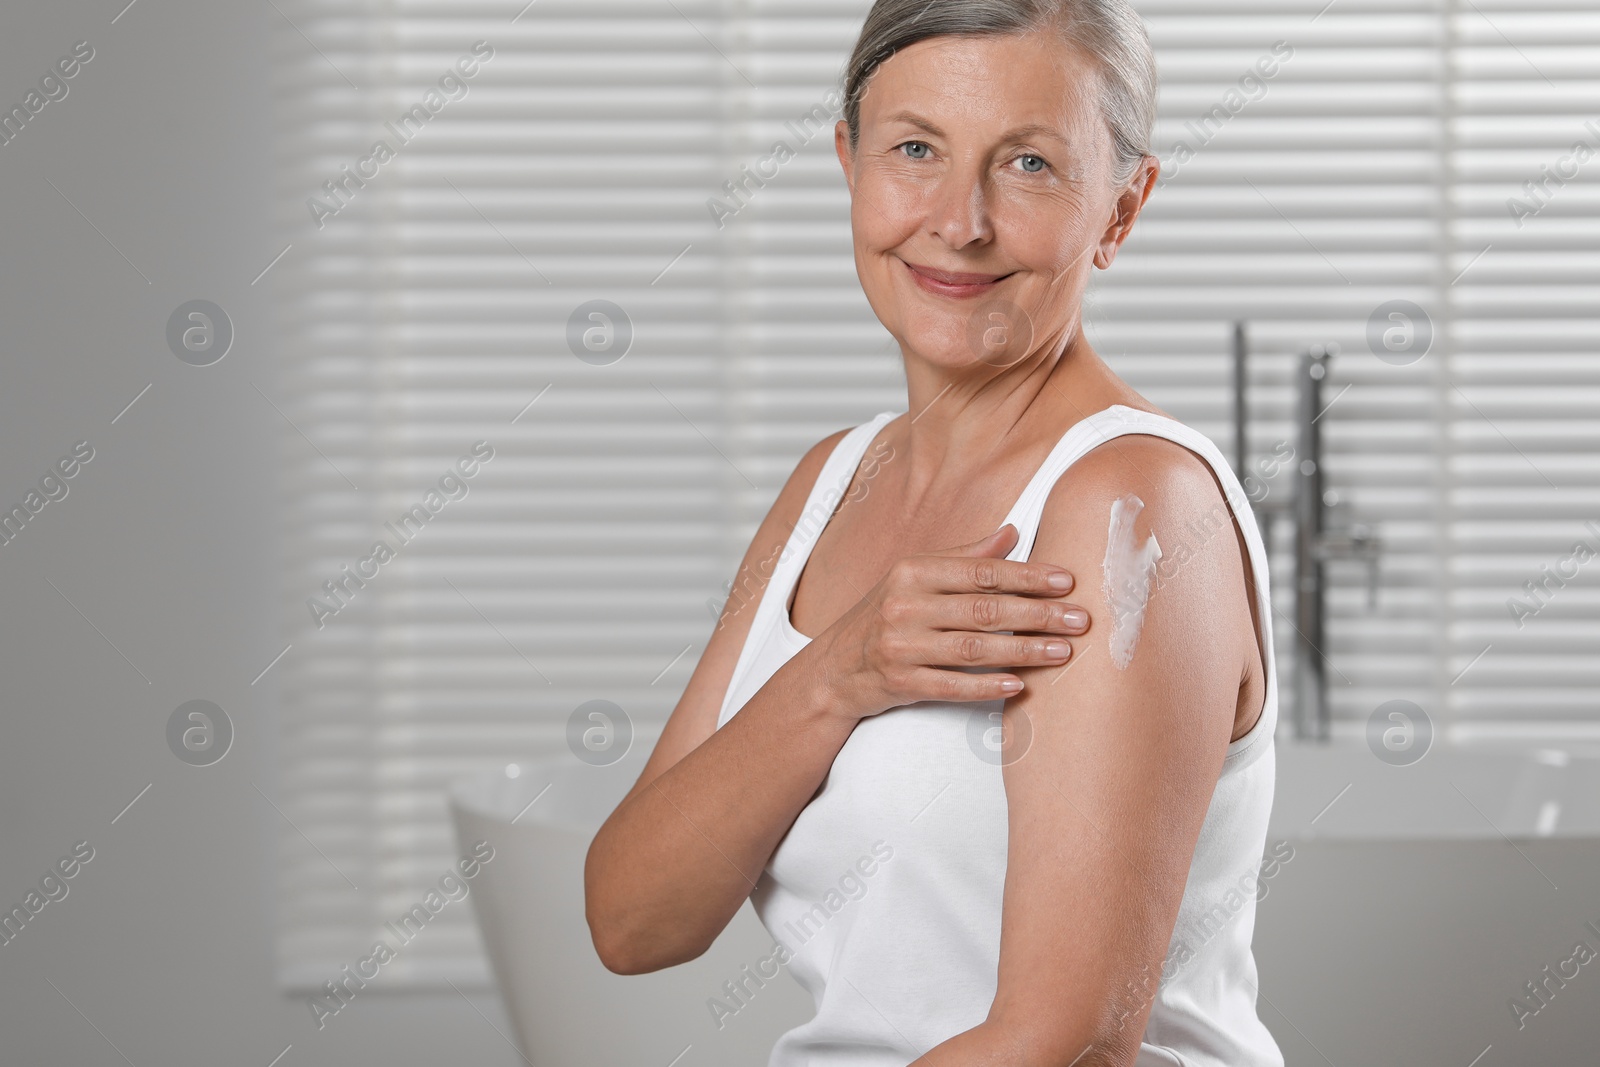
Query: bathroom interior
1367	275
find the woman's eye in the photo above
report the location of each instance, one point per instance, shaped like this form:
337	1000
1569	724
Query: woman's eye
1031	164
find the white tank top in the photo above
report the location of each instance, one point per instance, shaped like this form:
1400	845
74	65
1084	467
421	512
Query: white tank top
886	892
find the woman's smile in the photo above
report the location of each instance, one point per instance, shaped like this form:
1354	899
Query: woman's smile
955	284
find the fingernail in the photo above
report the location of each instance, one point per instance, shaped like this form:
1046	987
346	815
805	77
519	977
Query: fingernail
1075	617
1057	649
1011	685
1059	580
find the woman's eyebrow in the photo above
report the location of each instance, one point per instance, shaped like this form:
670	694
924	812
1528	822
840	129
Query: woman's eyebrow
1031	129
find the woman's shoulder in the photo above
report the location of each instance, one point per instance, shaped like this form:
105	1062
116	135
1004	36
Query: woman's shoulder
809	467
1147	452
791	499
1163	486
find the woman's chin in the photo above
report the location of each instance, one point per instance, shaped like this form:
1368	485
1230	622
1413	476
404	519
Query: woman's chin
991	334
956	343
956	358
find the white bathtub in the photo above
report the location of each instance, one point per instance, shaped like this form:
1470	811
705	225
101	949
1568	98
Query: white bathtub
1418	901
1342	791
568	1010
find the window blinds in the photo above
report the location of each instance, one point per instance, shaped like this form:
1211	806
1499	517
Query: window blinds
439	307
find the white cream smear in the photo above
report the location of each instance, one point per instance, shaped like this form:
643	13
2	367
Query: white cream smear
1128	569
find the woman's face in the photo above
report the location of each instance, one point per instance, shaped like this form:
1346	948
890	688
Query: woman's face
984	156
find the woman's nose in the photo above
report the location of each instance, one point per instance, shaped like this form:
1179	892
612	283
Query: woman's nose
958	209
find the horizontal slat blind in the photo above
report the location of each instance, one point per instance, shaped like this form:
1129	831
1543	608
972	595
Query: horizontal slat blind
1525	398
432	313
1373	165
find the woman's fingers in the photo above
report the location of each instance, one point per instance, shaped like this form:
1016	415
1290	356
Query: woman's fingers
933	614
966	649
998	611
983	574
933	683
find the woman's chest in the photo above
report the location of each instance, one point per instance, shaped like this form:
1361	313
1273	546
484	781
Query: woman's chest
838	573
870	533
922	782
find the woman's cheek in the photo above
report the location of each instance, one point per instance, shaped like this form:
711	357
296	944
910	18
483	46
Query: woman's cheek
886	208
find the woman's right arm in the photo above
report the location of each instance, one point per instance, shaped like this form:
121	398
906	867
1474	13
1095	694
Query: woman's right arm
681	852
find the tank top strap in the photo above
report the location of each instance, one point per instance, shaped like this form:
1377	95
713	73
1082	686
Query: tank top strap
1097	429
831	484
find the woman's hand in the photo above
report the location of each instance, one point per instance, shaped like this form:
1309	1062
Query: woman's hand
939	611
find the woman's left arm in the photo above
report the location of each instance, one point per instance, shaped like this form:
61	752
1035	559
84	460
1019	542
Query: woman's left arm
1110	763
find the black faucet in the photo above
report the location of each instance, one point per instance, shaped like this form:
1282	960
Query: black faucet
1324	530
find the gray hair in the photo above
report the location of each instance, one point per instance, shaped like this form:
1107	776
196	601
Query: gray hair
1110	32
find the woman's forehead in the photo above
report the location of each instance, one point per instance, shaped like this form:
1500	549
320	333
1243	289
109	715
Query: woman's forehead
1034	84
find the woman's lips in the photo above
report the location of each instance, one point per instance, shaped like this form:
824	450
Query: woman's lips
953	284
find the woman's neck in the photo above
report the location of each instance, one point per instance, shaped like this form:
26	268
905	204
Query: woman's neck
960	425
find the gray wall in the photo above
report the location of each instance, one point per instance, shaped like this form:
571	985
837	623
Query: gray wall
165	544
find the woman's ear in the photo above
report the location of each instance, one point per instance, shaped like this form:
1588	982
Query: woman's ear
841	145
1130	202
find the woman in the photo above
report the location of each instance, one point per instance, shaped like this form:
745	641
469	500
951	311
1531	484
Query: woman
1084	892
